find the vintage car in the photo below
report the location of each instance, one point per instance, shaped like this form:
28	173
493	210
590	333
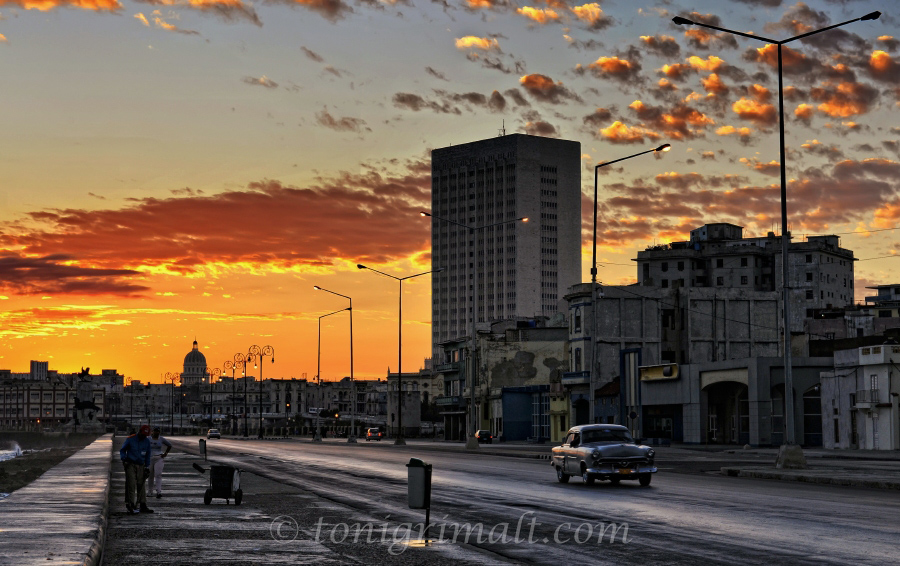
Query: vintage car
602	452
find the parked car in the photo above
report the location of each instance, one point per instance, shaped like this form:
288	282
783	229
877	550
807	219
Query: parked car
374	434
484	436
602	452
213	433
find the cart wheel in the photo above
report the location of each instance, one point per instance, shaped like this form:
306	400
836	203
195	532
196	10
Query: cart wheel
238	495
207	497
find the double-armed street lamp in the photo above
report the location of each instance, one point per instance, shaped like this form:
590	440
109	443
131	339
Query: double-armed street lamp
317	437
788	436
471	441
257	354
594	295
351	438
235	364
400	280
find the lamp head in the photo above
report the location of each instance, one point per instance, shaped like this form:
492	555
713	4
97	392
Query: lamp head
678	20
423	213
525	219
664	147
317	288
872	16
360	266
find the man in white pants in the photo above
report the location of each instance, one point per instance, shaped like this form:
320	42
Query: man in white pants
156	462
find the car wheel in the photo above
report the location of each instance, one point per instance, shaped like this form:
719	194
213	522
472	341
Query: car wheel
238	495
587	478
615	481
207	497
561	476
645	480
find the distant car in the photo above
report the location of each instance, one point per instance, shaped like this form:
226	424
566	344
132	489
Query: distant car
213	433
484	436
374	434
602	452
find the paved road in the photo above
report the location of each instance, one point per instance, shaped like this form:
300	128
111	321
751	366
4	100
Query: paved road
679	519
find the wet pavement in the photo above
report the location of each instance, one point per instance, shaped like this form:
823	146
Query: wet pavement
276	523
60	518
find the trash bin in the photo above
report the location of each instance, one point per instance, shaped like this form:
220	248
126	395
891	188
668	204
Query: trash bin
419	488
224	483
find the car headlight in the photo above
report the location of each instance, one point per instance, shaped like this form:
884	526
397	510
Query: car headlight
595	454
651	453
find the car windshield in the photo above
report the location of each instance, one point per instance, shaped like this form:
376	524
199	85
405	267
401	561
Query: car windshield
605	436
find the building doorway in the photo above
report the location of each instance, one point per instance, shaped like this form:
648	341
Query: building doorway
812	416
728	413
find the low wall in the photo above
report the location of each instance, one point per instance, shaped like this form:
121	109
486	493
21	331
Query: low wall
36	440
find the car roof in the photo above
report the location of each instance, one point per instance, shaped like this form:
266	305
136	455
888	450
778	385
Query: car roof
581	428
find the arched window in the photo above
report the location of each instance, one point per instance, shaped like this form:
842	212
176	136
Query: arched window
577	322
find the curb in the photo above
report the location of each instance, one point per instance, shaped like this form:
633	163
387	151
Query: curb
805	478
94	555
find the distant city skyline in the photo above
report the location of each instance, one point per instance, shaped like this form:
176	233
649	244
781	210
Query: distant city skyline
192	170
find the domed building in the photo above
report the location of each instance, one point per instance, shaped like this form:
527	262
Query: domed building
194	368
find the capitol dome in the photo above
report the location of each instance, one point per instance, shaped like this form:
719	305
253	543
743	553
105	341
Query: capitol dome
194	364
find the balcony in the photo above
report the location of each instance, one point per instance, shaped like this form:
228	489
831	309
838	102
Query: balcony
570	378
447	400
866	398
452	366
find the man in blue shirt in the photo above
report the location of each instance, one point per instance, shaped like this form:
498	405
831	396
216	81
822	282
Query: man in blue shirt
135	454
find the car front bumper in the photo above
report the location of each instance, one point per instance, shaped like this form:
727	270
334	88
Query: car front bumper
610	471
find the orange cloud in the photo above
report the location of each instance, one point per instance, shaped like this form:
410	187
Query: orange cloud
757	112
844	100
142	18
711	63
664	45
887	215
743	133
470	41
539	15
47	5
543	88
676	70
714	84
618	132
792	61
592	15
614	67
347	217
759	92
772	168
883	67
681	122
804	112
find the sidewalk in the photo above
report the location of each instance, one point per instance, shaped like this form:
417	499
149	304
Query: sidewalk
60	518
277	522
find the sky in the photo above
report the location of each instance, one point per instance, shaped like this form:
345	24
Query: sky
173	170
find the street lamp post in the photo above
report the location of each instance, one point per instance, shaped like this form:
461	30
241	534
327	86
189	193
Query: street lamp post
172	377
317	437
257	354
400	280
237	362
212	373
595	295
789	444
471	441
351	438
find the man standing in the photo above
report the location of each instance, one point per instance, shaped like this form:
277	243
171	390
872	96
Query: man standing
135	454
156	462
